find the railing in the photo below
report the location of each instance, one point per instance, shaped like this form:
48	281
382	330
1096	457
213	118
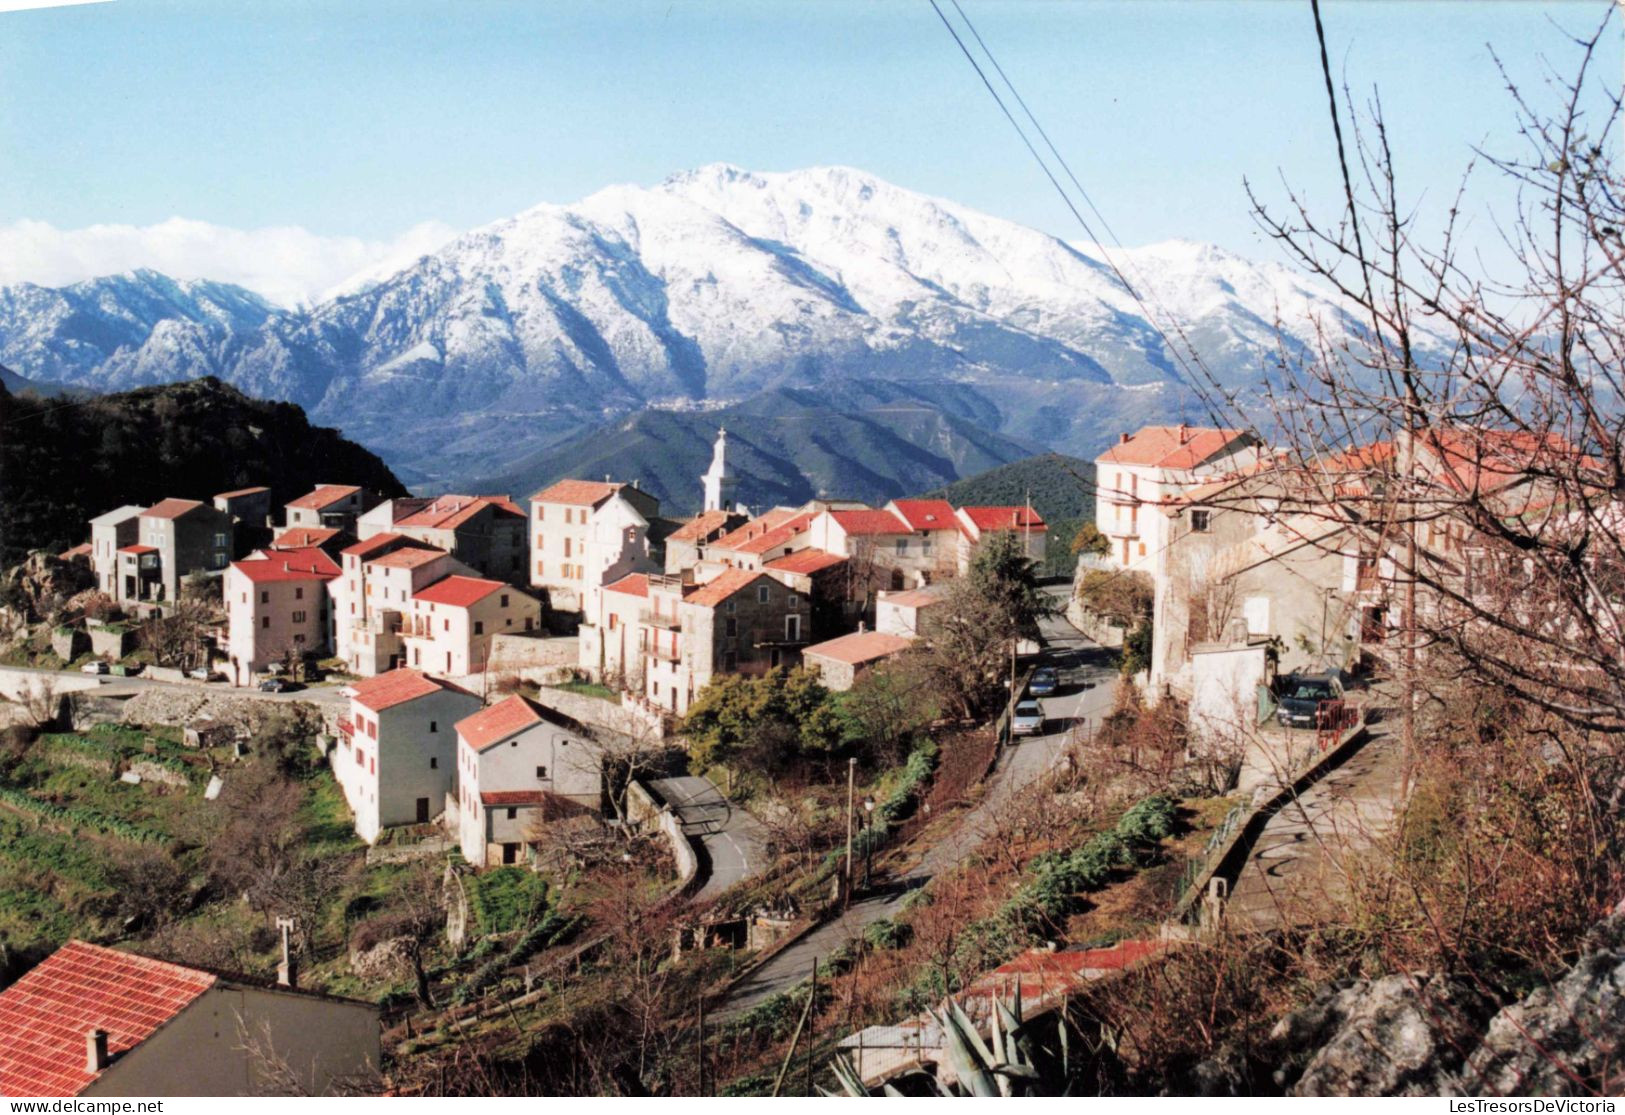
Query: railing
656	619
666	654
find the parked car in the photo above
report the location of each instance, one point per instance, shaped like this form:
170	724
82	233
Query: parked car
273	685
96	667
1301	697
1044	682
1028	719
202	673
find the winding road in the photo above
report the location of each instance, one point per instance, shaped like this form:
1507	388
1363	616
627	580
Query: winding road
1088	675
732	843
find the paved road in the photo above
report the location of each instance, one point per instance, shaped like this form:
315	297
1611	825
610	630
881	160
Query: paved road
1297	865
116	686
1088	687
733	844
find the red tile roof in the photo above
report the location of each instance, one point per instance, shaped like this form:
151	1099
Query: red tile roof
240	492
1171	446
450	512
498	722
633	584
1487	460
730	581
513	797
857	648
805	561
1004	518
926	514
770	520
170	508
914	598
45	1016
407	557
288	565
297	538
778	536
700	526
374	544
869	522
397	687
586	493
458	591
82	550
324	495
138	549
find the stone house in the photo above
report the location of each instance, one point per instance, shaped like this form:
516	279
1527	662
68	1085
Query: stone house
902	613
824	578
775	534
485	533
330	505
841	661
187	537
585	534
109	533
519	764
277	603
95	1021
250	511
740	622
453	621
396	759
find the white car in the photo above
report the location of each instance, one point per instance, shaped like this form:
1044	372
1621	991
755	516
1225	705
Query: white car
1028	719
96	667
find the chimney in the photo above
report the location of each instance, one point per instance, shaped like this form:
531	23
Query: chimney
862	627
1184	433
1122	439
96	1050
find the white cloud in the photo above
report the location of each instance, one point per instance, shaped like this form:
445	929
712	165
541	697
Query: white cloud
289	265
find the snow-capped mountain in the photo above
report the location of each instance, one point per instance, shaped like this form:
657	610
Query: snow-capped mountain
717	284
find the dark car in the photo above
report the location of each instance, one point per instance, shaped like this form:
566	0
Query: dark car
273	685
1302	696
1044	682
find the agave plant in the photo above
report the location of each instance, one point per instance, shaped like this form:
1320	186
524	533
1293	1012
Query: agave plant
1011	1062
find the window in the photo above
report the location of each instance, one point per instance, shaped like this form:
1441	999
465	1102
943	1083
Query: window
220	539
265	621
541	569
434	725
245	598
1201	521
902	546
479	627
434	760
794	601
504	600
569	517
729	661
220	557
299	617
541	772
1142	549
512	813
731	627
299	592
541	512
265	596
792	629
761	594
567	543
372	729
614	621
730	605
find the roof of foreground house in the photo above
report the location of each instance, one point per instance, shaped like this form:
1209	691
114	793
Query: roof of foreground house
926	514
298	538
458	591
1004	518
870	522
699	526
237	492
138	549
451	512
117	515
407	557
397	687
755	528
84	549
369	546
45	1016
724	585
916	597
501	720
1171	446
777	536
805	561
857	648
302	564
324	495
583	493
170	508
633	584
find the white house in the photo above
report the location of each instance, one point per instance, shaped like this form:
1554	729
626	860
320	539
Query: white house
453	621
277	604
397	748
585	534
518	764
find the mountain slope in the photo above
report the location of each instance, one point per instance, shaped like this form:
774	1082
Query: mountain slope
62	462
787	445
713	287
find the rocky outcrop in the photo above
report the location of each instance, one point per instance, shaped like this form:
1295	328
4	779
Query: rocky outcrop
179	706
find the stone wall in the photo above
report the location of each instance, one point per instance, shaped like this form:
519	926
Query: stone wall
179	707
630	720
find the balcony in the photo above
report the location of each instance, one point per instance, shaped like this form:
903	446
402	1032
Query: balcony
346	727
666	654
651	618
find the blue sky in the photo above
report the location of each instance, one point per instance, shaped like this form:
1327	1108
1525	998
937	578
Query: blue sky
363	119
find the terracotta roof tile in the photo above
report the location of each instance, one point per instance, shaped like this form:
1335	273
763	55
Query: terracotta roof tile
170	508
288	565
138	549
458	591
298	538
373	545
45	1016
770	520
450	512
858	648
1176	447
408	557
869	522
926	514
498	722
513	797
397	687
806	561
587	493
240	492
700	526
633	584
1004	518
730	581
82	550
914	598
324	495
778	536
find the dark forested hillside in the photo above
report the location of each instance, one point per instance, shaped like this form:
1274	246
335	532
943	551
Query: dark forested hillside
63	461
1062	490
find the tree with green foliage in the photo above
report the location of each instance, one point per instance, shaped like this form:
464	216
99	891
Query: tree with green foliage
767	724
886	709
1089	540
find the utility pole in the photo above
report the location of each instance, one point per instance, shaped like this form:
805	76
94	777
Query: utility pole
851	785
699	1048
